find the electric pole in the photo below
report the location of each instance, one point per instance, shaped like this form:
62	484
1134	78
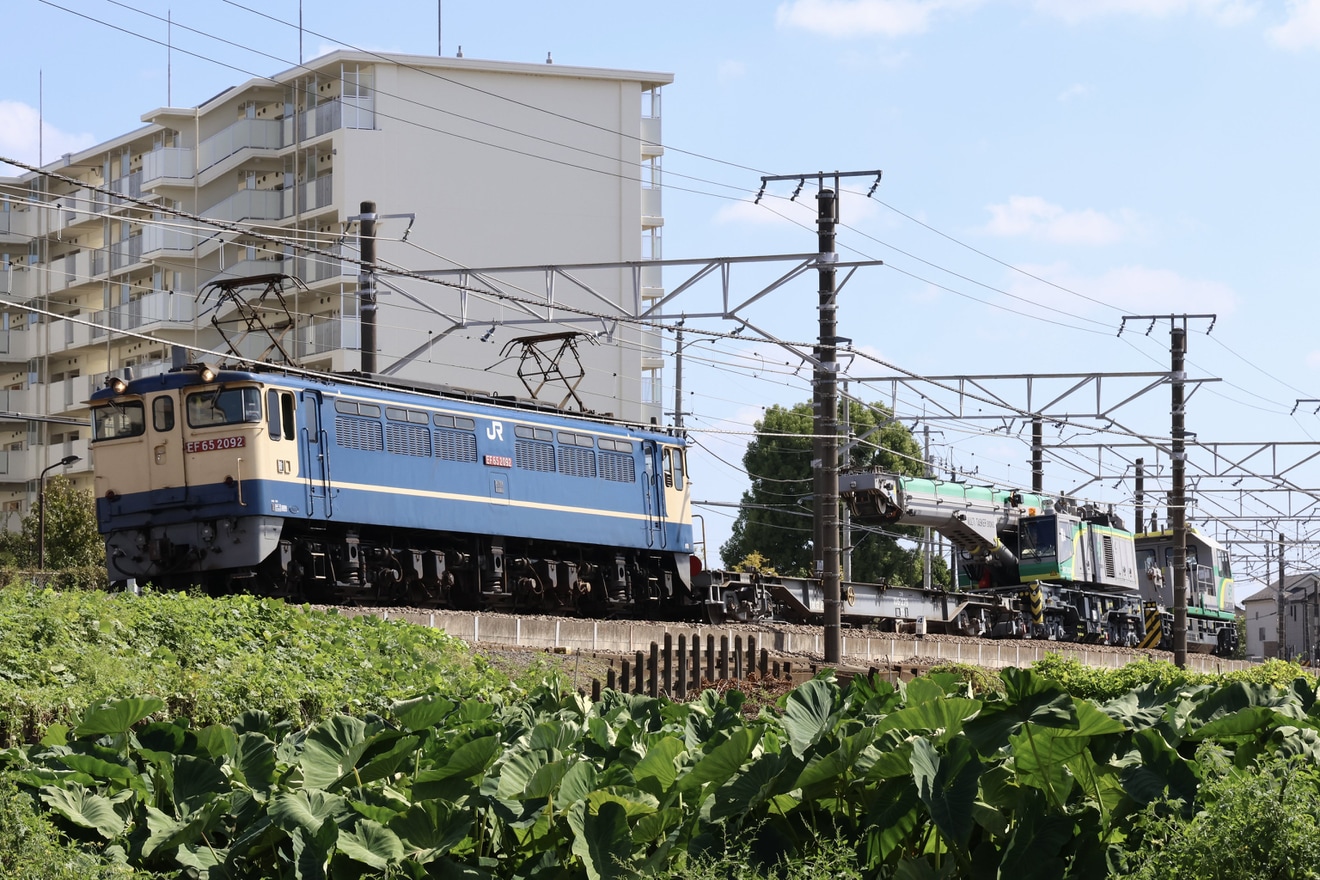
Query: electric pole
825	397
1178	495
367	285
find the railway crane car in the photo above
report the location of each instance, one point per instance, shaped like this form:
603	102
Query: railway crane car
335	488
1053	568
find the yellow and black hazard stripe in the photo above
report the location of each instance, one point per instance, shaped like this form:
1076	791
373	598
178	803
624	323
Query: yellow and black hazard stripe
1154	626
1036	604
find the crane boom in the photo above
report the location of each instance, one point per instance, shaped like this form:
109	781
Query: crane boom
971	517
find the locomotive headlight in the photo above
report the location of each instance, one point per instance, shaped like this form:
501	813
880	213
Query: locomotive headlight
140	539
208	532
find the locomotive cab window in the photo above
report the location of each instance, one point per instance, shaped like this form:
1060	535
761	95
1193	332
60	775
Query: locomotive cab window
224	406
673	468
279	414
162	413
118	420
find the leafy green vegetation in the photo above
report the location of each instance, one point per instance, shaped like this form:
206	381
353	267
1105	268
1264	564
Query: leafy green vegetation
923	780
74	550
771	521
211	660
1098	683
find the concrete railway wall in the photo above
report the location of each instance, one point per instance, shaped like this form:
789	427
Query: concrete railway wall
624	638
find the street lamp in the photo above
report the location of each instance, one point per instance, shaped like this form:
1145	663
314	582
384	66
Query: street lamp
41	508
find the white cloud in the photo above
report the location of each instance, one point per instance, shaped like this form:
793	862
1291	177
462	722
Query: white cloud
18	136
1302	28
1225	12
866	18
730	70
1076	90
1034	217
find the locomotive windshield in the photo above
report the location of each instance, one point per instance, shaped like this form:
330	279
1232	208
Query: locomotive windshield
116	420
224	406
1039	537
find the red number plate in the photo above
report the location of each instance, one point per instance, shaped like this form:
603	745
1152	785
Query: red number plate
499	461
215	444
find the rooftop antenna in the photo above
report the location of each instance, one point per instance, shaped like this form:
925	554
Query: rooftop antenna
169	57
300	33
439	29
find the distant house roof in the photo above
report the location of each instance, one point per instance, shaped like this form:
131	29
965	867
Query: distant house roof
1295	586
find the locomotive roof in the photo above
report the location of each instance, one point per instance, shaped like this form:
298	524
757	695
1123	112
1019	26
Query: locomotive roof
180	377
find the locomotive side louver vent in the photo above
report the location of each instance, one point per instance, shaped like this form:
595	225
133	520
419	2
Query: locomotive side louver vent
455	446
616	467
352	433
1108	544
577	462
408	440
533	456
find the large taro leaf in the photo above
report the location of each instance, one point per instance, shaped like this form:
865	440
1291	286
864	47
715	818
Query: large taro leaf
894	818
371	844
721	762
1041	754
216	740
118	774
747	790
1139	709
197	782
922	690
658	769
555	736
312	851
422	712
116	717
829	771
1241	709
1036	844
529	776
252	762
921	868
86	808
944	717
307	810
601	839
1159	772
430	829
168	832
578	782
449	777
331	750
810	712
1027	697
947	784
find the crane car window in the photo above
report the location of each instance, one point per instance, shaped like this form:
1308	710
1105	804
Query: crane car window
224	406
117	420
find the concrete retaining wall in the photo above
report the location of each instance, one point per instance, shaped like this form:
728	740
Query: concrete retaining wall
627	637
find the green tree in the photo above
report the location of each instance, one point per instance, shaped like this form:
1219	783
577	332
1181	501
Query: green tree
775	519
72	541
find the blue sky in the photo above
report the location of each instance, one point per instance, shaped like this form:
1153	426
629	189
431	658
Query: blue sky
1049	166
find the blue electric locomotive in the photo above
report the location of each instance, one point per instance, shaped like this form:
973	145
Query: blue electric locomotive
272	482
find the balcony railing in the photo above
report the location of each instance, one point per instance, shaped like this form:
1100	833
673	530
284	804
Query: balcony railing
310	196
246	134
248	204
69	270
164	238
20	400
167	164
17	283
161	306
327	334
126	253
129	185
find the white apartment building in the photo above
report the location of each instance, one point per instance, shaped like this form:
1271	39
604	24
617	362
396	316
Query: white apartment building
498	164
